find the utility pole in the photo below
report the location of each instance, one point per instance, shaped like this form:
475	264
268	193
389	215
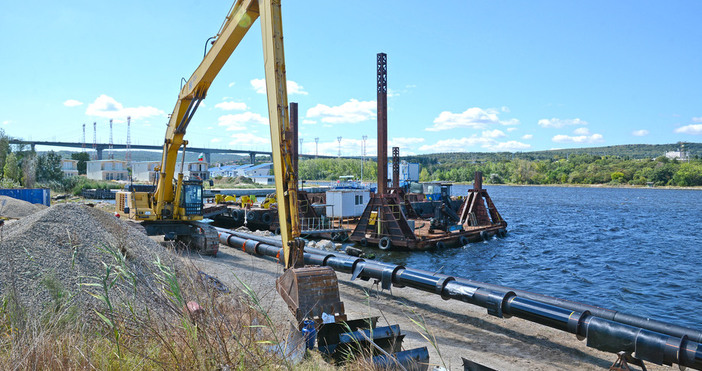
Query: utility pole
112	154
316	147
128	155
83	146
95	139
363	155
339	139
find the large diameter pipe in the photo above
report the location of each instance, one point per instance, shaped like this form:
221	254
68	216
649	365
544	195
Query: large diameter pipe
603	334
345	263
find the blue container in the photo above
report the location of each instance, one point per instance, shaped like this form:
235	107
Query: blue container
35	196
309	332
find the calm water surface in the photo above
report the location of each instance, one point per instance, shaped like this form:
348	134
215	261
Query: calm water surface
632	250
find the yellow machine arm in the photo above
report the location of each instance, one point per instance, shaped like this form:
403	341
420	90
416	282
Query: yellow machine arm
240	18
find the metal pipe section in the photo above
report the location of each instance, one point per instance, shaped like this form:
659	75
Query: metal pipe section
606	334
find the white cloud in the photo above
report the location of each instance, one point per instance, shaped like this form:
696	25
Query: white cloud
462	144
697	119
72	103
6	122
527	136
231	84
350	112
241	121
309	122
509	146
581	131
293	88
404	142
493	133
559	123
694	129
509	130
248	140
594	138
107	107
474	118
231	106
640	133
215	140
505	109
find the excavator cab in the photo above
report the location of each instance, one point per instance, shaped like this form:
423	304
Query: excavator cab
191	197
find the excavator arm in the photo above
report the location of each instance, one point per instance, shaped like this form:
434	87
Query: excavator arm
165	199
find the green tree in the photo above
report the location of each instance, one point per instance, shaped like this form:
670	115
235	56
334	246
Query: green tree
83	158
11	170
617	176
49	167
4	149
688	175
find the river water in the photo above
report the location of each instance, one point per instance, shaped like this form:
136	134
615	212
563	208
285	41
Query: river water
632	250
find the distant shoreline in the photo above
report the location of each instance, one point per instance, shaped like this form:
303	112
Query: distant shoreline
696	188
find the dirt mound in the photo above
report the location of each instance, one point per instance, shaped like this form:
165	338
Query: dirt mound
14	208
55	251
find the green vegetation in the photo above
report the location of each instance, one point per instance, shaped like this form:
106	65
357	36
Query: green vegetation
572	169
83	158
576	169
333	168
154	329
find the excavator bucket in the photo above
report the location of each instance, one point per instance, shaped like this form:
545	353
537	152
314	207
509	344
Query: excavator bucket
311	291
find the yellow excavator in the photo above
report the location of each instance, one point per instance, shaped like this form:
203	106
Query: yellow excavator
174	209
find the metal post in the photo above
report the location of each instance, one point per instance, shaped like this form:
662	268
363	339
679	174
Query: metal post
396	167
382	79
316	147
363	154
339	139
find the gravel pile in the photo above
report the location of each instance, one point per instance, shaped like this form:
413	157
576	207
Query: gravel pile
61	245
14	208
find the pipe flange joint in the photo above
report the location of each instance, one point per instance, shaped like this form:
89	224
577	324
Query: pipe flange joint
496	301
250	247
394	274
575	320
441	284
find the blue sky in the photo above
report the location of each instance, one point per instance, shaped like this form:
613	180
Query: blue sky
463	75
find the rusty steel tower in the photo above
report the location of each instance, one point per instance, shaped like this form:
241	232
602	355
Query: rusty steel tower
382	77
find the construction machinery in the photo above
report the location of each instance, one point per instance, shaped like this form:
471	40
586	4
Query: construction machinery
174	208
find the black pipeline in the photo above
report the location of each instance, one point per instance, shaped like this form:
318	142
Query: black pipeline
601	333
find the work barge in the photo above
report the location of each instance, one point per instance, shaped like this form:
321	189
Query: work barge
394	217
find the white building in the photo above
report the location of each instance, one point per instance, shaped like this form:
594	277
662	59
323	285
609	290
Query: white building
260	174
107	170
346	203
145	171
679	155
69	167
196	171
409	172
